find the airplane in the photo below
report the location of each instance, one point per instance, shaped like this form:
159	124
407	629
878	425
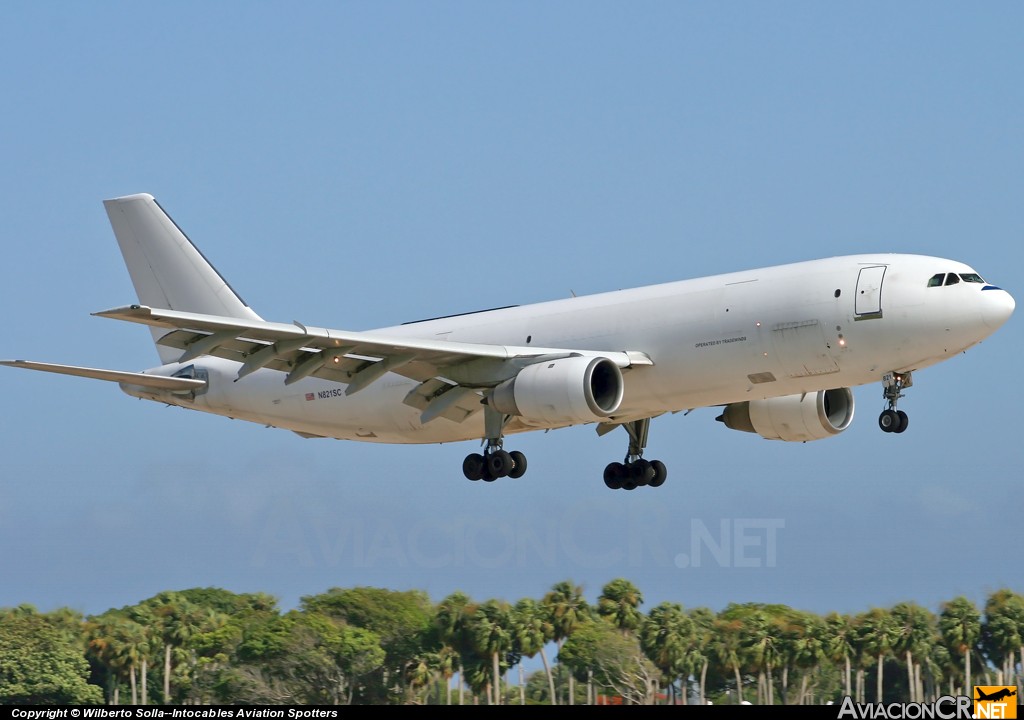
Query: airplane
998	695
778	349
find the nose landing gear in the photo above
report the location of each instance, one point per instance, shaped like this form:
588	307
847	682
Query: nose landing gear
892	420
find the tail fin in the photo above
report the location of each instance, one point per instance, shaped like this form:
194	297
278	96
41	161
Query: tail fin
168	271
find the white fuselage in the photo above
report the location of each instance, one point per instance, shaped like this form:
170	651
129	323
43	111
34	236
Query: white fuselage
809	326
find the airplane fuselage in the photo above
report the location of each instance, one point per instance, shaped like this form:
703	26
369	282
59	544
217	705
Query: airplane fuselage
784	330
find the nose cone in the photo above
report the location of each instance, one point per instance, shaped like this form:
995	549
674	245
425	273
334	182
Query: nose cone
998	306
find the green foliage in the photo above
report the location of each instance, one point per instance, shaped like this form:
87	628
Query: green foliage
616	660
230	603
370	645
299	658
40	664
402	620
667	636
538	688
619	603
960	625
1003	630
566	608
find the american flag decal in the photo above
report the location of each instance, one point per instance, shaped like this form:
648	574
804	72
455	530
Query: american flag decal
310	396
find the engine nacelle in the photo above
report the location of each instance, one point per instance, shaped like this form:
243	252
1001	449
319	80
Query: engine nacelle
567	390
795	418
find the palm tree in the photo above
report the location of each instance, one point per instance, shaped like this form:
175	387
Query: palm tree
492	637
941	664
131	645
727	646
665	637
421	672
960	627
915	628
451	620
447	663
533	630
879	633
761	646
148	643
1003	631
806	638
700	649
102	644
619	603
566	609
840	644
176	621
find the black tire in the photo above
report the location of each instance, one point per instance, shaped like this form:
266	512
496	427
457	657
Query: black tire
904	421
473	466
641	471
660	473
629	484
499	463
613	475
888	421
519	464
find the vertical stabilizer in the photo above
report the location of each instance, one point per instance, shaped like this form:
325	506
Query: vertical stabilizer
168	271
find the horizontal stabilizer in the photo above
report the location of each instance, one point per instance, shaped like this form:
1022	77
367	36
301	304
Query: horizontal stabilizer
156	382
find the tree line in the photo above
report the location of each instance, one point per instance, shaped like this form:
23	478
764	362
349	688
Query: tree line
377	646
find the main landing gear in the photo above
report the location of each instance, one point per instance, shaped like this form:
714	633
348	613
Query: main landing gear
892	420
634	471
495	462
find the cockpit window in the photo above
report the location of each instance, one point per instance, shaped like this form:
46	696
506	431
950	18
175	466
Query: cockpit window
940	279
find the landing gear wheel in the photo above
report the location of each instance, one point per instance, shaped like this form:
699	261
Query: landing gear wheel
660	473
634	471
519	464
889	421
473	466
613	475
641	472
500	463
893	385
904	421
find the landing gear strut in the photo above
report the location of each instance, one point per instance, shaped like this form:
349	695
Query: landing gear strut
892	420
634	471
495	462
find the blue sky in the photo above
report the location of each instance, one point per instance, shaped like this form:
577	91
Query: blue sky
355	165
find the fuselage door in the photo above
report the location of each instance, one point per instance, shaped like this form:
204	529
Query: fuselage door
868	301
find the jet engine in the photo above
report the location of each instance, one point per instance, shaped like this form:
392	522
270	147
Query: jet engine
795	418
568	390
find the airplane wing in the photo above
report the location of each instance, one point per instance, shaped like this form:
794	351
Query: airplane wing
448	372
154	382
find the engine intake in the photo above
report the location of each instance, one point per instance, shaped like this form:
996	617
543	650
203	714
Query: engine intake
567	390
794	418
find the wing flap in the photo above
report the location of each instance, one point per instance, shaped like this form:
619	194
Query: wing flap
436	398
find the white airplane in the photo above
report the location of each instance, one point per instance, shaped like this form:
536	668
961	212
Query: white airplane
777	348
